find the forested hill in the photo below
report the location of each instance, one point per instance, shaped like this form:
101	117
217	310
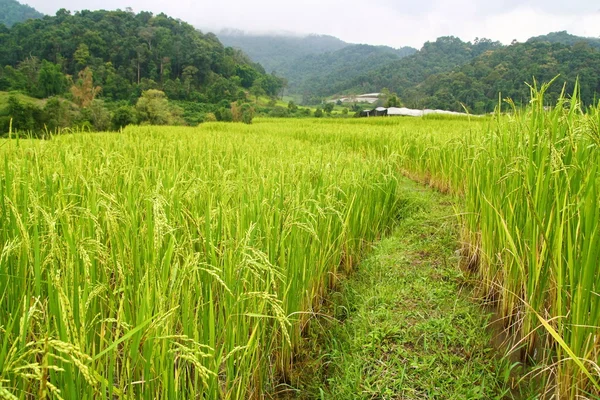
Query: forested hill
127	54
506	70
314	64
566	38
318	74
11	12
445	54
276	52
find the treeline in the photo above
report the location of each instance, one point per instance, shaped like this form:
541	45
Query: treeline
128	53
21	114
116	56
445	54
11	12
506	71
451	74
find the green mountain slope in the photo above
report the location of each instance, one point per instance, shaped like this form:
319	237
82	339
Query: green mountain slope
445	54
12	12
315	64
319	74
128	53
566	38
276	52
506	70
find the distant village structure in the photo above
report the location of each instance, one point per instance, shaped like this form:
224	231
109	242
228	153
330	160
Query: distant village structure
403	112
372	98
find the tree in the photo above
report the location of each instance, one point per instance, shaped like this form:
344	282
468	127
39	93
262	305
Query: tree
51	80
122	117
99	116
392	101
153	108
84	91
257	89
328	107
82	56
318	113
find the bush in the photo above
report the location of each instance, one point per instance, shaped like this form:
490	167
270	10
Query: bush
279	112
153	108
210	117
247	117
224	114
123	116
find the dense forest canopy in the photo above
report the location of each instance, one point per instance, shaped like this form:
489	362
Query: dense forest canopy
566	38
313	65
12	12
128	53
317	74
445	54
108	69
506	71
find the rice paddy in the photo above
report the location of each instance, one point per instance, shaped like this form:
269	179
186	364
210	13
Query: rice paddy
186	262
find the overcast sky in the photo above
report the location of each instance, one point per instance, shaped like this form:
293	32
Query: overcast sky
391	22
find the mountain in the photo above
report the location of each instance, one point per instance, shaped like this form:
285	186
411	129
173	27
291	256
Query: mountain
566	38
128	53
312	64
317	75
506	70
445	54
12	12
276	52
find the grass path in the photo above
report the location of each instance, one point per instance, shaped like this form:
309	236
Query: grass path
406	326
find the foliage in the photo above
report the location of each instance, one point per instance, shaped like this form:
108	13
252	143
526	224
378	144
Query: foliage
567	39
51	81
83	90
26	117
320	74
224	114
122	117
128	53
153	108
445	54
478	83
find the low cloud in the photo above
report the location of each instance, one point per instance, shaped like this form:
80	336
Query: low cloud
386	22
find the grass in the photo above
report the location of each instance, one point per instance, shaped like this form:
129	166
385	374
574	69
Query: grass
405	325
21	97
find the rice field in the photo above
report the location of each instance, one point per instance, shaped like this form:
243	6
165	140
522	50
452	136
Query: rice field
186	262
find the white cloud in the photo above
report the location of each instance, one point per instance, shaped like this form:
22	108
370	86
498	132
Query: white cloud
391	22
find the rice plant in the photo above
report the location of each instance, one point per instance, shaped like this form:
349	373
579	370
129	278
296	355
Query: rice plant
186	262
174	262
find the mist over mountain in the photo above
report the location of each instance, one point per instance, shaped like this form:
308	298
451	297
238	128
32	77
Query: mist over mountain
12	12
311	63
277	51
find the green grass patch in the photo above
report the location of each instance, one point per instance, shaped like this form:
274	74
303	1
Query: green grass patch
405	325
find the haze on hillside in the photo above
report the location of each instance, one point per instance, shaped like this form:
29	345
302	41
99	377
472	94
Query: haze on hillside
380	22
